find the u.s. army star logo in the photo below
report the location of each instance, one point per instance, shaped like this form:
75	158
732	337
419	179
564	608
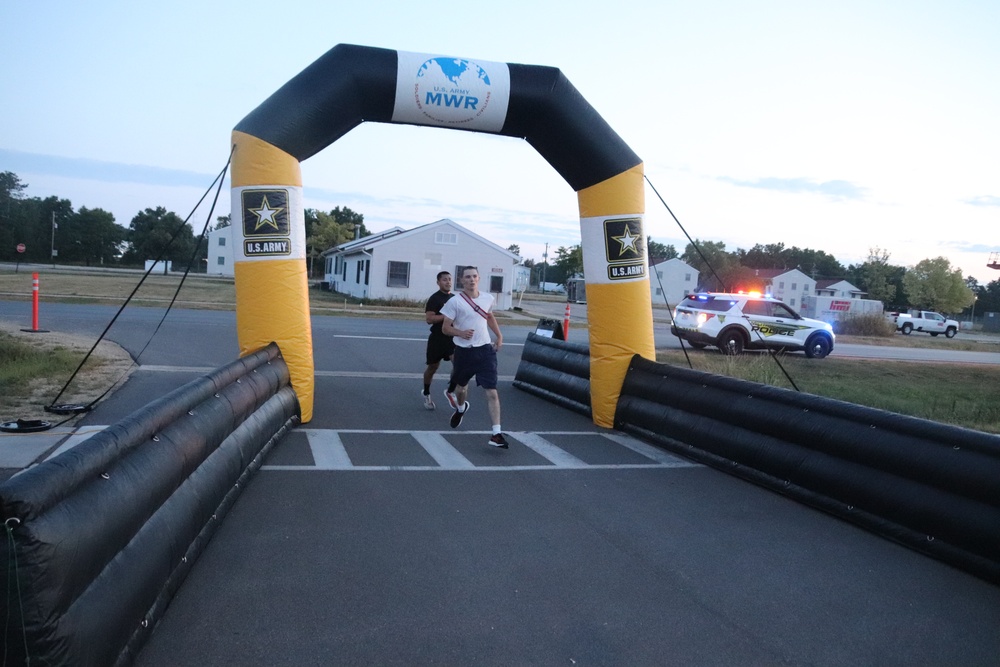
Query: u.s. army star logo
265	213
623	240
625	248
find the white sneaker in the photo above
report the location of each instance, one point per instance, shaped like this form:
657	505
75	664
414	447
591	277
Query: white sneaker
452	399
428	403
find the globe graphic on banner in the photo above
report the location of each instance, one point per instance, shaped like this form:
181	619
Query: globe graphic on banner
457	71
452	90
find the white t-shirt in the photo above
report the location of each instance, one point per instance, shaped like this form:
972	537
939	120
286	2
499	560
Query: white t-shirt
463	316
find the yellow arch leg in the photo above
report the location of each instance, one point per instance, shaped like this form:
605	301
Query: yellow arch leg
618	303
272	288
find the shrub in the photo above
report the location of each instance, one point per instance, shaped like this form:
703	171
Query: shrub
869	324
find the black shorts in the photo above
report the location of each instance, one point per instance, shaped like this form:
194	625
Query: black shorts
439	348
480	362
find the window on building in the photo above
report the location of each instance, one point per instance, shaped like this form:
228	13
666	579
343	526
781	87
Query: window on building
368	267
496	284
794	286
343	270
357	278
446	238
399	274
659	292
781	284
792	301
221	261
659	274
222	240
687	277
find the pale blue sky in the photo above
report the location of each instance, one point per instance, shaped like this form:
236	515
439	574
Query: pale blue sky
833	126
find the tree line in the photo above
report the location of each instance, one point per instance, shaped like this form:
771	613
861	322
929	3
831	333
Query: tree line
931	284
50	230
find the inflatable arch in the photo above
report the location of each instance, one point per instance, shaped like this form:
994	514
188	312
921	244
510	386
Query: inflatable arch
349	85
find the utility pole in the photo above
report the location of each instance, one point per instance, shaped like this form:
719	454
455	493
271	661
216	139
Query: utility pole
54	227
545	262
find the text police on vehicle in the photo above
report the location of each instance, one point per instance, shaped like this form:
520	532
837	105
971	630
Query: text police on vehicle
735	322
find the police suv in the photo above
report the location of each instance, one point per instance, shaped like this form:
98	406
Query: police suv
735	322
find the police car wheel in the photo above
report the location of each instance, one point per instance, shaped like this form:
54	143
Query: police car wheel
731	342
817	347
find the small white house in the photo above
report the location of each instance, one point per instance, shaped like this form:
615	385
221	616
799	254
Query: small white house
792	286
838	288
220	252
671	280
403	264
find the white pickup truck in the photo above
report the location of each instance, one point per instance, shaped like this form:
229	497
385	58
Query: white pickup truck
923	320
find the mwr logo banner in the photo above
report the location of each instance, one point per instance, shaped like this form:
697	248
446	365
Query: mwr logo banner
614	249
271	223
451	92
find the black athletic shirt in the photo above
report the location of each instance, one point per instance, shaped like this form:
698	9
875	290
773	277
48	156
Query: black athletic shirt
434	304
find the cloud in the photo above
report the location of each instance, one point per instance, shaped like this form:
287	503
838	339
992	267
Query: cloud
985	200
97	170
832	189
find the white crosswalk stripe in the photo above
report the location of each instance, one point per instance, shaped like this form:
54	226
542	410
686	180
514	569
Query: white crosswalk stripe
439	448
329	452
327	449
536	450
559	457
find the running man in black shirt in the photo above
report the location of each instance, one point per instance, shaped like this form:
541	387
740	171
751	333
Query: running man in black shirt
439	346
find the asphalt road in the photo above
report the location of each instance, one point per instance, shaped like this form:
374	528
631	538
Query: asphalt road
377	535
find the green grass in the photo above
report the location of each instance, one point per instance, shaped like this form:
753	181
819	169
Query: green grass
22	363
962	394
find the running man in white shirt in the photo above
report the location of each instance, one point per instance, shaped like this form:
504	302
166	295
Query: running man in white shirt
468	316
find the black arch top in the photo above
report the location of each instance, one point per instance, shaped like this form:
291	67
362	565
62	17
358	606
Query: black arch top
349	85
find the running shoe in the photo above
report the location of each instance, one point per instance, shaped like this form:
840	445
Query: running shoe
497	440
456	419
452	399
428	403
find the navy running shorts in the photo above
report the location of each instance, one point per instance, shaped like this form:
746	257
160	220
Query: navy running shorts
479	362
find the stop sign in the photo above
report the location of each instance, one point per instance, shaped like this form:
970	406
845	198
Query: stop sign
21	247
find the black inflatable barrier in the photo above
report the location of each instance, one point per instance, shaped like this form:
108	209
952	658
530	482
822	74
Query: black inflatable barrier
100	537
557	371
930	486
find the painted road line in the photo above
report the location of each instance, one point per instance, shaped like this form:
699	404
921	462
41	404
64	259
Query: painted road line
442	451
559	457
372	375
651	452
328	450
413	340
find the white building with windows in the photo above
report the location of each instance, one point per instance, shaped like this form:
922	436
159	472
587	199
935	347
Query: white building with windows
841	289
403	264
220	252
671	280
792	286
